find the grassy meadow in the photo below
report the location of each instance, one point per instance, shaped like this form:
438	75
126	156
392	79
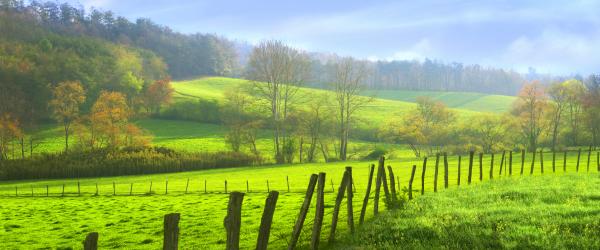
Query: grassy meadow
135	221
550	212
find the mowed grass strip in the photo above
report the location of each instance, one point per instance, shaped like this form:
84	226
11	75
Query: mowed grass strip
135	222
549	212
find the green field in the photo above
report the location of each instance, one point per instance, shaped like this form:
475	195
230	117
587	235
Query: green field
550	212
135	222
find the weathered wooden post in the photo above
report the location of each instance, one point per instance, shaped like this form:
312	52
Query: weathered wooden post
150	190
502	163
522	160
225	186
542	161
79	188
114	188
96	194
410	182
392	183
588	159
435	172
386	189
565	161
423	175
303	210
578	157
205	186
247	186
349	197
367	194
171	232
532	161
553	161
48	190
480	167
492	167
187	184
598	160
63	189
266	221
131	189
336	207
320	210
510	162
166	186
445	170
91	241
233	220
287	180
470	166
377	192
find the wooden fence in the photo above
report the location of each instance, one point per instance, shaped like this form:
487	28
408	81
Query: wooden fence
385	180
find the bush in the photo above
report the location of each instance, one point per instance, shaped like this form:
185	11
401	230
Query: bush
375	154
202	110
129	161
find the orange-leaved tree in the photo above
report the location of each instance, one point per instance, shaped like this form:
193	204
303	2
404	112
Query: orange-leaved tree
67	99
157	94
9	130
110	117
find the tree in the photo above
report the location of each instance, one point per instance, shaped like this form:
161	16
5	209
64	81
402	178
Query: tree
347	86
574	90
558	95
591	107
428	127
109	117
489	131
277	72
67	99
315	124
157	94
529	108
9	130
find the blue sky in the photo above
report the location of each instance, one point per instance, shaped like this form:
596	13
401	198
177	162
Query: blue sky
558	37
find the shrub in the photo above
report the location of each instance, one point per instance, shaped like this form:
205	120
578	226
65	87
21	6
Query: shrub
375	154
128	161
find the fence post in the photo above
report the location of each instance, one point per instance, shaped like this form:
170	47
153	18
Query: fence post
565	161
510	162
367	194
205	186
171	232
445	170
578	157
349	197
266	221
598	160
63	190
187	184
79	188
423	175
166	186
233	220
303	210
470	166
392	183
492	167
377	191
553	161
247	186
131	189
542	161
336	207
458	176
150	190
588	159
410	182
320	209
268	188
225	186
480	167
91	241
287	180
386	189
48	191
502	163
435	172
532	161
522	160
16	191
96	189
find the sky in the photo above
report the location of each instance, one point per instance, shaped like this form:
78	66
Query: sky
557	37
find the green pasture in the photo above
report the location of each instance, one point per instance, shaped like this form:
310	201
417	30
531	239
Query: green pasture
549	212
135	221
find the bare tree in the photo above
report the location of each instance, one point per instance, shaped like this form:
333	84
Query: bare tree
350	76
558	94
277	72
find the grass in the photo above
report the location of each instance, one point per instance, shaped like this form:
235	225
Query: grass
550	212
135	222
459	100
